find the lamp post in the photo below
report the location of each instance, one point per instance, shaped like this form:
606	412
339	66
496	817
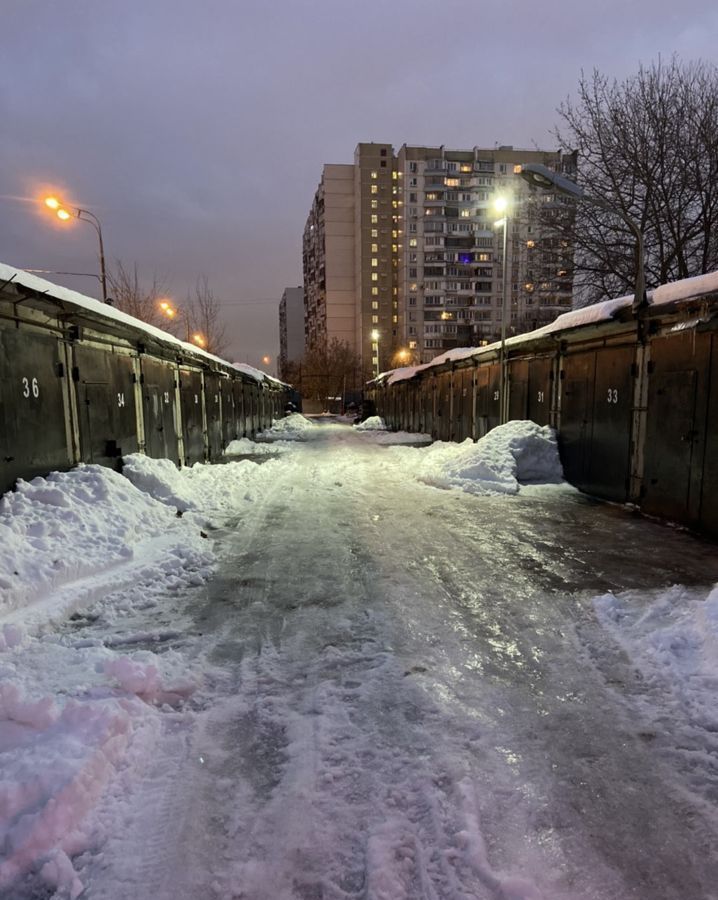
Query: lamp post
501	205
84	215
375	350
543	177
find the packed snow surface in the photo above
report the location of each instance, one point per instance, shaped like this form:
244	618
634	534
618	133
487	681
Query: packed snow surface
309	673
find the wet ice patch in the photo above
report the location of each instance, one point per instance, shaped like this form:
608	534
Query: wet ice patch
508	456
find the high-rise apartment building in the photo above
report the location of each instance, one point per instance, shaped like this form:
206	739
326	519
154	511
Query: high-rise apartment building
426	268
291	329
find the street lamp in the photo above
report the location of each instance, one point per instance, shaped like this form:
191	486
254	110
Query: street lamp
84	215
171	311
543	177
501	205
375	350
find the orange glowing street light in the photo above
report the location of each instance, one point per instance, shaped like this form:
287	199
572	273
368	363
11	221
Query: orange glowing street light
84	215
171	311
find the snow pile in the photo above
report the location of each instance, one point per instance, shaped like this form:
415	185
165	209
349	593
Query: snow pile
672	638
57	529
294	427
56	761
510	455
206	489
159	478
143	679
247	447
373	423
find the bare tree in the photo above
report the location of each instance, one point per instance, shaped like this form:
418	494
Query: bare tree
205	317
136	299
328	370
649	146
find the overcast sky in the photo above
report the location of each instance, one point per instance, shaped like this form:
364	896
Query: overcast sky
196	129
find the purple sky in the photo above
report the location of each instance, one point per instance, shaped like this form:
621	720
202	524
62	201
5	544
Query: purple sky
197	131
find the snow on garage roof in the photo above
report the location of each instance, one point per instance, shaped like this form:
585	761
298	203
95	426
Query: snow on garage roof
674	292
9	274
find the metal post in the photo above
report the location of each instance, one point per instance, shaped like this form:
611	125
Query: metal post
95	222
504	310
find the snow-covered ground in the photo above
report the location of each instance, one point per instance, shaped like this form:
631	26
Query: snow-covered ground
331	668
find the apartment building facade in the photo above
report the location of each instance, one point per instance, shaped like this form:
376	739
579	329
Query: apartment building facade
428	262
291	329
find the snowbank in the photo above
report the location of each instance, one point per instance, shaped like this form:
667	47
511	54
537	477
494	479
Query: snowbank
69	525
247	447
294	427
373	423
508	456
671	637
207	489
79	709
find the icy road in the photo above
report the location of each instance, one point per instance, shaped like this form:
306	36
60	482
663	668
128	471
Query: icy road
385	687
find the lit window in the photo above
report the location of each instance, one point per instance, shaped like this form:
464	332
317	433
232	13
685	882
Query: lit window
413	242
374	262
374	359
530	244
451	182
375	204
375	304
465	213
395	319
413	286
374	276
529	286
484	257
373	174
374	219
375	320
375	292
412	345
375	232
375	248
375	189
